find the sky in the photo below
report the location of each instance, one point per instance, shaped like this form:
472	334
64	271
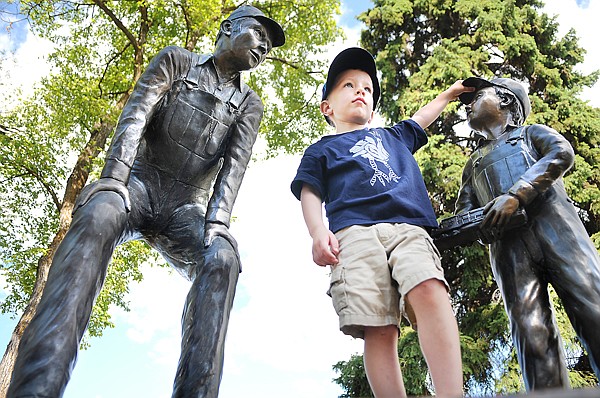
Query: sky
283	336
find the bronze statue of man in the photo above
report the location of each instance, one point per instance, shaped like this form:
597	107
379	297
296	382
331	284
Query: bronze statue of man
172	174
514	167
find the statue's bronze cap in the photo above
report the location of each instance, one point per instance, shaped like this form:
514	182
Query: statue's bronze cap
275	30
518	89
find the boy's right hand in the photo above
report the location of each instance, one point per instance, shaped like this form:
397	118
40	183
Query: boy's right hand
325	248
455	90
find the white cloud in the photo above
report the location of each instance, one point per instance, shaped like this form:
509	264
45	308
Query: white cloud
155	304
23	67
4	42
584	21
287	324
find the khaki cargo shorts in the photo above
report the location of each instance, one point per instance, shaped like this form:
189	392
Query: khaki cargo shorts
378	265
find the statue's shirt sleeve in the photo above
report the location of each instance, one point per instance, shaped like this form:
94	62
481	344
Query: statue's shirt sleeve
556	157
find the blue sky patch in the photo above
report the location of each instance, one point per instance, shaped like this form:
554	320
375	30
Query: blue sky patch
353	8
12	24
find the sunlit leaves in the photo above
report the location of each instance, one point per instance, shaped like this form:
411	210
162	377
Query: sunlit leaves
99	49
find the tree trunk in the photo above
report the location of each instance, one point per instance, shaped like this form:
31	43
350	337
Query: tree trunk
75	184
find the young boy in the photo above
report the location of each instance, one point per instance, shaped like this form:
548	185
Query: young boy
384	264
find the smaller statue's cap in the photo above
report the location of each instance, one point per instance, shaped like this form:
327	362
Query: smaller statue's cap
352	58
275	30
518	89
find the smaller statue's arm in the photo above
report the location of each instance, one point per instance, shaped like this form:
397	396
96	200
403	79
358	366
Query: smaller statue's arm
556	159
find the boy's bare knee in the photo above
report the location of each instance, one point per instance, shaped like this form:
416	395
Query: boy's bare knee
427	296
381	332
426	290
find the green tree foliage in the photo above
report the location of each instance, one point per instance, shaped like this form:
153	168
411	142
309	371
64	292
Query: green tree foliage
422	47
51	142
352	377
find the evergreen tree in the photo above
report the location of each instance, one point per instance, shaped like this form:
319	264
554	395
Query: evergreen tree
422	47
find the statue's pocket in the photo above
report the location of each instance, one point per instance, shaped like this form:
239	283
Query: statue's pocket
196	130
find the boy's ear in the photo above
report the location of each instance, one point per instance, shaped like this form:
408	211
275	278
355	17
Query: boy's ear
326	108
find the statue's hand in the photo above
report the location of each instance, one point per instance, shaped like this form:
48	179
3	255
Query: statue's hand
498	213
103	184
214	229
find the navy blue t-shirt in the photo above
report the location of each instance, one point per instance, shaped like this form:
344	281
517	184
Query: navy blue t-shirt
368	176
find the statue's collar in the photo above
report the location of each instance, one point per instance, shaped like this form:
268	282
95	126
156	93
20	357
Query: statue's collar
204	58
483	140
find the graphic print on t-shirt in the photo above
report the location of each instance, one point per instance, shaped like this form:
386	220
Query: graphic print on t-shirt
372	149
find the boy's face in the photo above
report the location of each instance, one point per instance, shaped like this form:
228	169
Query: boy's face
351	99
484	110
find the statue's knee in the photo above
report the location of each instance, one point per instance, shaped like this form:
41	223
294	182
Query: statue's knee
223	260
218	264
104	210
536	336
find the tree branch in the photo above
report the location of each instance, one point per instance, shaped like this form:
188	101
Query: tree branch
30	172
188	22
117	21
46	187
115	56
4	130
292	65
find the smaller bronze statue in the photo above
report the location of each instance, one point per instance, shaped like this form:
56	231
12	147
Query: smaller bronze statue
518	168
172	174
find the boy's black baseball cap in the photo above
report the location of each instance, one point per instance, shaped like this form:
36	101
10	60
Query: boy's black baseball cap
511	85
352	58
276	31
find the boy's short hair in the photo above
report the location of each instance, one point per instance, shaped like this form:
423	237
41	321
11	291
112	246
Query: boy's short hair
352	58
